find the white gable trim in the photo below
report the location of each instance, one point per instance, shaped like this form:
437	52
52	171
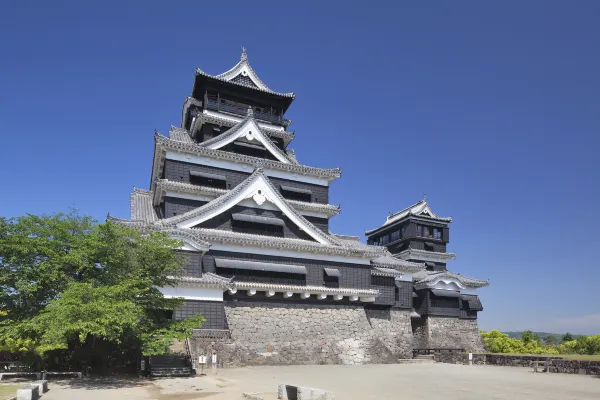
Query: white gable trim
445	283
251	132
248	203
260	191
244	69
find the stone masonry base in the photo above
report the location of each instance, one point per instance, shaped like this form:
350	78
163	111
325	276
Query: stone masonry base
278	334
271	333
447	332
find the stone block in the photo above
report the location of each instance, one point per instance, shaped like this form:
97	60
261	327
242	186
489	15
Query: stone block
30	392
291	392
42	385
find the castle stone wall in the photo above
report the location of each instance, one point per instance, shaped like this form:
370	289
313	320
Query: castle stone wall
266	333
447	332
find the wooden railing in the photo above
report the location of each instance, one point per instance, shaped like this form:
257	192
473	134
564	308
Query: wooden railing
214	102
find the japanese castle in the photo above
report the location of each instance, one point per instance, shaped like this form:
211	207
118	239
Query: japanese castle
261	265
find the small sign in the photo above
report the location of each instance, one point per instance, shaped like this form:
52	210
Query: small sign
470	356
202	359
214	359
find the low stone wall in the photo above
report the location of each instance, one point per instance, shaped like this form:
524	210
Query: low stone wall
558	365
284	334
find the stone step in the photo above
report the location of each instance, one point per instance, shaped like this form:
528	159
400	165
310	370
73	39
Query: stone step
170	372
415	361
424	357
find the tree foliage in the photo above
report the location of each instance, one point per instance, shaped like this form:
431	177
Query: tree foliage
498	342
567	337
67	282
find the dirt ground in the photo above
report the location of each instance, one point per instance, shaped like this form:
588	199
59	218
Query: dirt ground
364	382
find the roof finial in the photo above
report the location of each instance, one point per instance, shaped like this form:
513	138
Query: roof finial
250	112
425	197
244	55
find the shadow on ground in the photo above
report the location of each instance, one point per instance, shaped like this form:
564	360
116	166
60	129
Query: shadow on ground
102	383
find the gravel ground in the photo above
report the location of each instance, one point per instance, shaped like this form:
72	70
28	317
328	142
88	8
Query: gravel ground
364	382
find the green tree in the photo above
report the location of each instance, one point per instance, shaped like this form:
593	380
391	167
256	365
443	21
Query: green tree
527	337
567	337
550	340
67	282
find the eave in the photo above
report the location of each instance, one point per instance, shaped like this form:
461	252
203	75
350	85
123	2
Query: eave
164	185
163	144
417	254
231	120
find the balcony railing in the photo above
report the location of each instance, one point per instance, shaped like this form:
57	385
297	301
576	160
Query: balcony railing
217	104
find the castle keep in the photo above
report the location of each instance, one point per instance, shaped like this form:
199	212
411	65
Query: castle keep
274	284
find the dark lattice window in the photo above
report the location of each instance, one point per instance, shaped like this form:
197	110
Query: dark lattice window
257	229
211	180
444	302
331	281
212	311
382	281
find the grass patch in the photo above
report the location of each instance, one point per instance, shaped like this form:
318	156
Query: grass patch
8	391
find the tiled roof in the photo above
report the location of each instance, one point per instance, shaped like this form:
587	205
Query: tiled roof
223	202
291	155
428	277
388	261
207	279
163	185
418	254
163	144
141	207
232	121
307	289
180	135
234	132
244	69
420	209
379	271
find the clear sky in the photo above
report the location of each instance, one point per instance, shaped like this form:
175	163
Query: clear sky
491	108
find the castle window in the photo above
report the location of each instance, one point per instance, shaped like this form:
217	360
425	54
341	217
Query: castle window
428	246
206	179
437	233
331	277
395	235
256	225
298	194
383	240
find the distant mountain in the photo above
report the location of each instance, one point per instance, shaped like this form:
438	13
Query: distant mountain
558	336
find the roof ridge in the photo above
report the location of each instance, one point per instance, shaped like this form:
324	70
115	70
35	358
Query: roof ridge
244	68
161	140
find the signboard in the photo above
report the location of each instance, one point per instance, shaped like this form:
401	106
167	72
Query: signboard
214	359
202	359
470	356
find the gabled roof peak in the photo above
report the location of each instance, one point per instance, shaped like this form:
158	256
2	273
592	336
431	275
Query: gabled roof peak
419	209
242	74
248	130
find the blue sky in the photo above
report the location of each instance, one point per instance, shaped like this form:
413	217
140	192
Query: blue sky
491	108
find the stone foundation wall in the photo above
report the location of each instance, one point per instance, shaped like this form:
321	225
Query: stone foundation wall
270	333
420	330
446	332
557	365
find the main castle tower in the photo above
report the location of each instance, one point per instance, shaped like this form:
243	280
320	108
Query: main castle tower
260	263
